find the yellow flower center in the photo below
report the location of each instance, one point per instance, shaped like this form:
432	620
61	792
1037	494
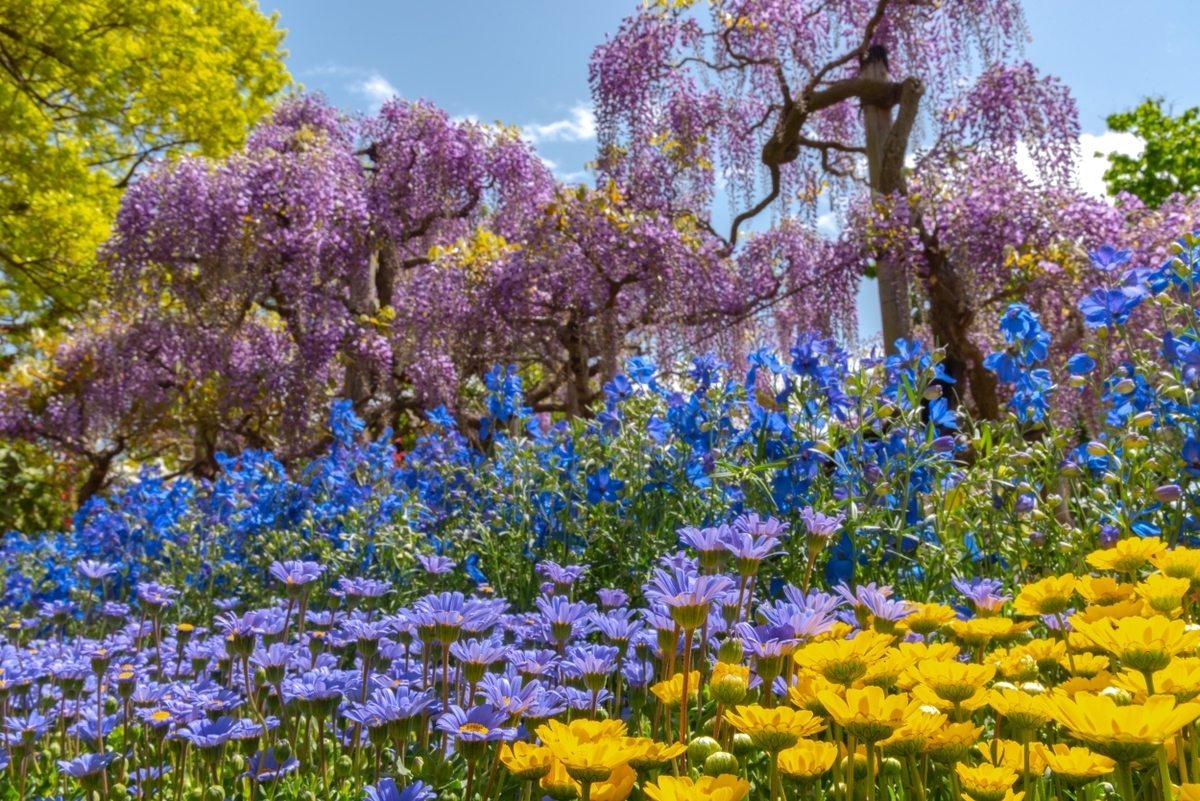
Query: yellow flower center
473	728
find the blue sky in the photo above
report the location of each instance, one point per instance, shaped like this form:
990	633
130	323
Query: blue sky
525	62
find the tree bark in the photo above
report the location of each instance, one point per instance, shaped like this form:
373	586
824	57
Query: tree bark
364	300
579	394
895	305
951	317
98	474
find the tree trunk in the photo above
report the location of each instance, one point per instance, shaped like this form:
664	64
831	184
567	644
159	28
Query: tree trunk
895	306
610	349
578	388
364	300
98	474
951	316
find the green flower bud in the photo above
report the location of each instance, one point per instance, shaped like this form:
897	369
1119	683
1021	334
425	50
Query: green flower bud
1120	697
214	793
731	651
700	749
719	763
283	751
343	767
742	744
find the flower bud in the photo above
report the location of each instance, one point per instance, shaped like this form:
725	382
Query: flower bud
1069	469
1168	492
283	751
943	444
742	744
860	766
1119	697
700	749
214	793
729	690
720	762
1095	448
731	651
1143	419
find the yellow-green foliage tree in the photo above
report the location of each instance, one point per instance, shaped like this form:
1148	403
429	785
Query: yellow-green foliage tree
89	91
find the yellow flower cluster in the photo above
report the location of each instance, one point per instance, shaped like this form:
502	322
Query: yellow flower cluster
1091	676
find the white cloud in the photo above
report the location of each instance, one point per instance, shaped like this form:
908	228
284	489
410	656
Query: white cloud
1091	167
375	88
579	127
828	224
368	84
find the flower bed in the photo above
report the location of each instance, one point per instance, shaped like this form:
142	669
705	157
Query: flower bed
815	580
703	689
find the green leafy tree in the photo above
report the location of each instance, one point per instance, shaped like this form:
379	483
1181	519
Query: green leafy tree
1170	160
90	90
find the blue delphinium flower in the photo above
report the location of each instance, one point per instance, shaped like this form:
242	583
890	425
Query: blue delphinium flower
1107	258
1109	307
602	487
1081	364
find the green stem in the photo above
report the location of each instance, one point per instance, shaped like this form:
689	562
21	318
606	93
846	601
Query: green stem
915	778
1164	772
687	670
1125	780
850	748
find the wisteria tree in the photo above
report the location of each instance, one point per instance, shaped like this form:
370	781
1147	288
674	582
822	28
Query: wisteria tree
784	101
394	261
